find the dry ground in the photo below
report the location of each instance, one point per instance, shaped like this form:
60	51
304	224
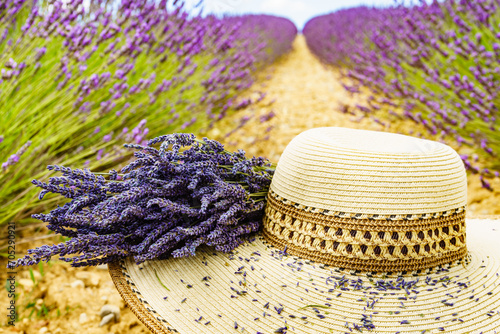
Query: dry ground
302	93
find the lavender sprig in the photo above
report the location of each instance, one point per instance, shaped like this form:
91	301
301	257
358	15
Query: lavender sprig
168	202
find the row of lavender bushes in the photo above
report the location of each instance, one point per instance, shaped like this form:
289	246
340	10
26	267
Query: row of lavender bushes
281	31
335	37
78	81
436	64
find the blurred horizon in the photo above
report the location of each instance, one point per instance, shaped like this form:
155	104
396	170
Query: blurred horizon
298	11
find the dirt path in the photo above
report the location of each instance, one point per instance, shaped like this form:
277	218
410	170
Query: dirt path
306	94
302	93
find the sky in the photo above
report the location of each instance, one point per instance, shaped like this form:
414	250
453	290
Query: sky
299	11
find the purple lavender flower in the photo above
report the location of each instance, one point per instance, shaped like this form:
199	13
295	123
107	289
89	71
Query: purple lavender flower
14	158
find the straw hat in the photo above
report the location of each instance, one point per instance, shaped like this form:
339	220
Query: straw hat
363	231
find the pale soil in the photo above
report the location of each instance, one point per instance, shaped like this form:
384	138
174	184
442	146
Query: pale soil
65	298
303	94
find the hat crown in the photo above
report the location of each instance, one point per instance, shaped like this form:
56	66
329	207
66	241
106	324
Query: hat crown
368	200
370	172
368	141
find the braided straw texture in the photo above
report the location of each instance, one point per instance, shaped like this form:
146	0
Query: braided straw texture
359	171
364	244
137	304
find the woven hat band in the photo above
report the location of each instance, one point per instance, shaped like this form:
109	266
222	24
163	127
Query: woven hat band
372	243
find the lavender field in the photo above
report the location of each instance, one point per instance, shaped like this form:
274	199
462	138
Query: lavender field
434	64
79	81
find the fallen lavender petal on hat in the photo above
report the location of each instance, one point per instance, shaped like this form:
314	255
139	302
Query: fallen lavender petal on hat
167	202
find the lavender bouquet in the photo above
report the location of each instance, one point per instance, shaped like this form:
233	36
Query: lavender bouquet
167	202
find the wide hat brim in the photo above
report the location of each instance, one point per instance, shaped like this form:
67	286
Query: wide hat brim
259	289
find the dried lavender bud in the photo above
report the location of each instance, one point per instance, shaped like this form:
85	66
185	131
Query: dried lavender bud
167	202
